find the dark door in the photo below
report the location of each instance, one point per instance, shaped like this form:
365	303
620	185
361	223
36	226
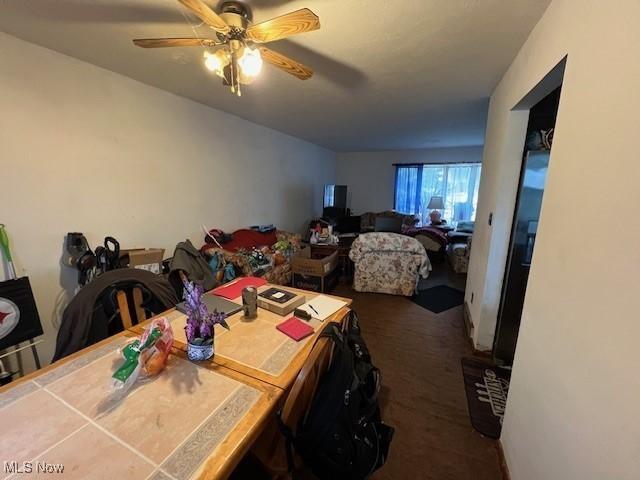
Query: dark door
523	238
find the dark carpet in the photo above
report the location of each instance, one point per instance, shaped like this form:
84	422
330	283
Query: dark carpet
487	387
438	299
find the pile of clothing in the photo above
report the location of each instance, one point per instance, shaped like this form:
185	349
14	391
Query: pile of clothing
254	253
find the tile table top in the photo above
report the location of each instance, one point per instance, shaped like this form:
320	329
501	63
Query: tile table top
189	422
255	347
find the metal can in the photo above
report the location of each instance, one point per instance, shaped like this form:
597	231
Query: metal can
250	302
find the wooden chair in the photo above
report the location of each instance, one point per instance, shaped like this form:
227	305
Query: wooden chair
123	307
270	448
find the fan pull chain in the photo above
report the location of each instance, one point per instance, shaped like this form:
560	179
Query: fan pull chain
235	75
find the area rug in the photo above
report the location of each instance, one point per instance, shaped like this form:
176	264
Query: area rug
438	299
487	387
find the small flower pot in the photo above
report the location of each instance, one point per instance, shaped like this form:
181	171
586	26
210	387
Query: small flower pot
198	353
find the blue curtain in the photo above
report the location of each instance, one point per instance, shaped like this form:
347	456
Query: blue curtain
408	189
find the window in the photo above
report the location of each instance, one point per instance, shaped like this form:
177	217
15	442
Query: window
456	183
329	195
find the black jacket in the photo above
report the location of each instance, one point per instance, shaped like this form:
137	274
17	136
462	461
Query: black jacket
188	259
85	321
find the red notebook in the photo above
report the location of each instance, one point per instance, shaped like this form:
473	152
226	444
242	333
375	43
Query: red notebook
295	328
234	289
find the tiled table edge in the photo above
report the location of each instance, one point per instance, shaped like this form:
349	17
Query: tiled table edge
36	380
277	362
79	362
16	393
189	456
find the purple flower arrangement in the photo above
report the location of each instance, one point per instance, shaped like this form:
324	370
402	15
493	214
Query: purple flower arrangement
200	323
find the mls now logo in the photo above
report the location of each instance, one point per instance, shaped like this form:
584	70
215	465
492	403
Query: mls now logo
33	467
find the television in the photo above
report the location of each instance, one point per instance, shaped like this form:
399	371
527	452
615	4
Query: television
335	196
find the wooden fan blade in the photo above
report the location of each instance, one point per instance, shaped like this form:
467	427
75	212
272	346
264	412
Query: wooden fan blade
175	42
285	63
207	15
300	21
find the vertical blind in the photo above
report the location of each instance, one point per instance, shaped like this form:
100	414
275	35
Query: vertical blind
456	183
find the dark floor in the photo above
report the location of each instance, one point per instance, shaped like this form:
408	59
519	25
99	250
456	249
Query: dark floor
443	274
423	394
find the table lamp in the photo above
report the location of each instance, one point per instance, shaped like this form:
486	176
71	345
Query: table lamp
435	204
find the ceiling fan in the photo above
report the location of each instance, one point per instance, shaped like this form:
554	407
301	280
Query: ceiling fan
239	53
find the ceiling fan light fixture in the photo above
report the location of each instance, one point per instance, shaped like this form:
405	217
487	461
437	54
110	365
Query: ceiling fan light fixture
239	43
216	62
250	62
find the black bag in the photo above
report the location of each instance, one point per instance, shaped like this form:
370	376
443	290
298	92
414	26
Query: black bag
343	436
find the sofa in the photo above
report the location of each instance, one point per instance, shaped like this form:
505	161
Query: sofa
388	263
275	247
368	220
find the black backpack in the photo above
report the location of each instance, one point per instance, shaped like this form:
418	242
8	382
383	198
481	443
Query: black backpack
343	436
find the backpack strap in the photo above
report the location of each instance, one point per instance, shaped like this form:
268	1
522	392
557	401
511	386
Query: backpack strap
332	331
288	439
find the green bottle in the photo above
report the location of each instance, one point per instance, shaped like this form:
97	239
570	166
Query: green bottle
4	244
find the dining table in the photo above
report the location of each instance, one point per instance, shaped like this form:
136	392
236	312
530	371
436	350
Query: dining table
195	420
254	347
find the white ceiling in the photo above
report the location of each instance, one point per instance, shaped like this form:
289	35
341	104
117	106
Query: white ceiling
390	74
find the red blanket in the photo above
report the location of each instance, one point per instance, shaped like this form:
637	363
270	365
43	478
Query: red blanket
246	239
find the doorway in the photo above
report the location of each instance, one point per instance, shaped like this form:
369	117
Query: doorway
533	174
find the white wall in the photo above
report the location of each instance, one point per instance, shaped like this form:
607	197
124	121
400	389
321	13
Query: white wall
85	149
572	411
370	176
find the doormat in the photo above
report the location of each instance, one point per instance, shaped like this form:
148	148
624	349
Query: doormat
438	299
487	387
